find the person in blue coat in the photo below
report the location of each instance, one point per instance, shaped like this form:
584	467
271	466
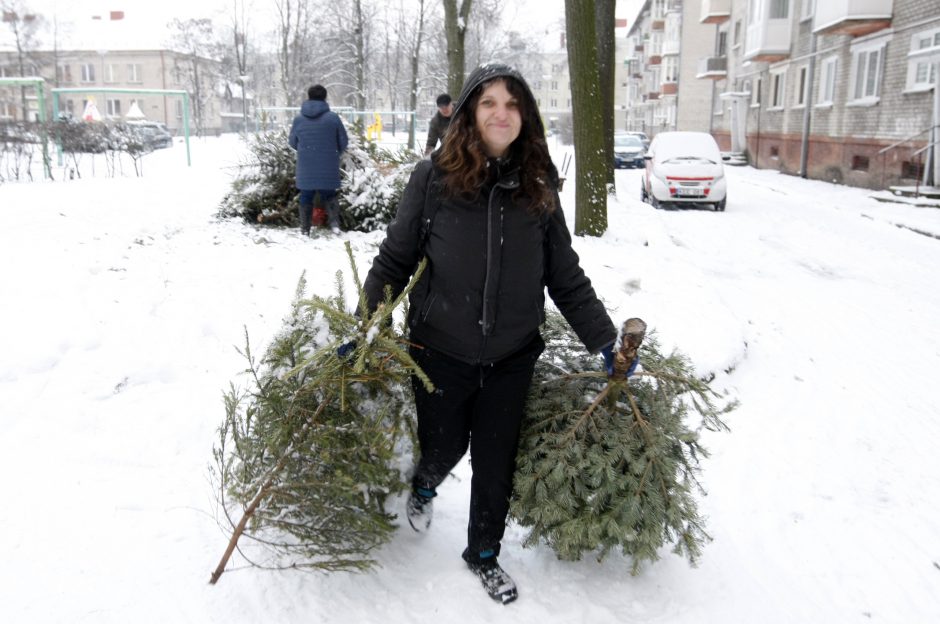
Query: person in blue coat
320	138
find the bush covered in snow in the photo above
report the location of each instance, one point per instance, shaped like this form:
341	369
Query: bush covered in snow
372	183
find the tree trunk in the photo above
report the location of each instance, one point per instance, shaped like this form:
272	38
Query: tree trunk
587	118
455	30
415	62
360	58
605	17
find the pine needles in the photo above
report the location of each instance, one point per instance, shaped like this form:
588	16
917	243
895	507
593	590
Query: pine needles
613	464
309	452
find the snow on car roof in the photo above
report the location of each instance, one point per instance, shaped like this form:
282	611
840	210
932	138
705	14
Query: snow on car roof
670	144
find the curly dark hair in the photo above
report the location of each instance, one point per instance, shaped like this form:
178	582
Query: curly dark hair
462	158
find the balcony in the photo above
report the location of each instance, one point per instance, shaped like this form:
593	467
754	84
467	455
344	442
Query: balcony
713	67
852	17
652	95
658	24
655	60
670	88
768	39
715	11
671	48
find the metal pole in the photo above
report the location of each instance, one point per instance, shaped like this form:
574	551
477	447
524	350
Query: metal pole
189	162
935	131
807	108
46	167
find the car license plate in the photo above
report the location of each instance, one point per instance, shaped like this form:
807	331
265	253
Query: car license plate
688	191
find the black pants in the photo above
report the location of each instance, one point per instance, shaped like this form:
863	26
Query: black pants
480	406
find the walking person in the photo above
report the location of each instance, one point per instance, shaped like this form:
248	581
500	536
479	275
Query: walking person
496	239
319	136
439	122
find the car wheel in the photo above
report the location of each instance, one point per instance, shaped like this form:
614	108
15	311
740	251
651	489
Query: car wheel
643	196
720	206
655	202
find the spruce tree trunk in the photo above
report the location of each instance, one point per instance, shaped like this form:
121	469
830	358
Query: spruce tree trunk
586	109
605	17
455	30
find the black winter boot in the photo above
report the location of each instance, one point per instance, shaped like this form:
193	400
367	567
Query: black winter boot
496	582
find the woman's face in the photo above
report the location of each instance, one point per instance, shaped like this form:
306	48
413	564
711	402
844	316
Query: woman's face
498	119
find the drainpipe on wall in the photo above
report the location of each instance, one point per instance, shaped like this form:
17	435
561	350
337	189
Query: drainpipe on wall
808	107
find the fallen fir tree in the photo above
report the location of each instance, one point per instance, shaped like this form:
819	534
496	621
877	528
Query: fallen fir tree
308	455
610	463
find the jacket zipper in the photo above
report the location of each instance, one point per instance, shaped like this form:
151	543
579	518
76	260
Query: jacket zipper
489	269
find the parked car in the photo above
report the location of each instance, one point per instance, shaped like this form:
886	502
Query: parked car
684	168
642	136
154	134
628	151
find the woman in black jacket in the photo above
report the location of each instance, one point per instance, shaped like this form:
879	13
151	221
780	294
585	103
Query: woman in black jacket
496	240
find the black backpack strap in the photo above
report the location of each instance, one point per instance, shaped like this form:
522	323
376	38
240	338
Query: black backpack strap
431	204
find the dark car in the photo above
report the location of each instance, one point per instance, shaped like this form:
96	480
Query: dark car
628	151
153	134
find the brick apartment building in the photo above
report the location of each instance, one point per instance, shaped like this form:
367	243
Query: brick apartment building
761	74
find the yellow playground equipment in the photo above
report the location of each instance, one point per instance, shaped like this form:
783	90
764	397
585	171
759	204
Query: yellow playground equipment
374	131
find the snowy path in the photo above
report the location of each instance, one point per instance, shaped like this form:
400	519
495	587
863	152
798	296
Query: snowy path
123	302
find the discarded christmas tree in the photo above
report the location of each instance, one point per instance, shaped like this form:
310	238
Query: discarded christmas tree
609	463
309	454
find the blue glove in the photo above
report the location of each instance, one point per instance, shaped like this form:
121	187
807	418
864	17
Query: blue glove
608	353
346	349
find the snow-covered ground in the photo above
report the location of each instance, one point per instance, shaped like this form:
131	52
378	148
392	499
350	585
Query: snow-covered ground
123	302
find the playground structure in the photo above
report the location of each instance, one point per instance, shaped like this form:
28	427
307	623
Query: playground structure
104	91
37	83
371	122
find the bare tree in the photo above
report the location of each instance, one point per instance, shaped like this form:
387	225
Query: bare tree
590	192
194	41
24	26
293	45
415	64
456	19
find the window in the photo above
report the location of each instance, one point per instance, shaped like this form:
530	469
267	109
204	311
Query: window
114	108
133	72
912	170
859	163
6	110
801	86
554	103
753	7
722	43
921	73
88	72
755	94
63	73
70	107
179	109
827	81
554	85
867	60
809	9
110	73
778	83
775	152
779	9
737	33
671	69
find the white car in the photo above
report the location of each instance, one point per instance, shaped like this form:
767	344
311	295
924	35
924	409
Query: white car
684	168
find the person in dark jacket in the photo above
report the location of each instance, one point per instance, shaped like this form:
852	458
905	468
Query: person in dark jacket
439	122
497	240
320	138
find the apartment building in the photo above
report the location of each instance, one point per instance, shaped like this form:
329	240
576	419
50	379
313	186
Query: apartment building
844	89
122	56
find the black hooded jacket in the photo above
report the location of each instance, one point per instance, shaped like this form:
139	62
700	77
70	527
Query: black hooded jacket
489	261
